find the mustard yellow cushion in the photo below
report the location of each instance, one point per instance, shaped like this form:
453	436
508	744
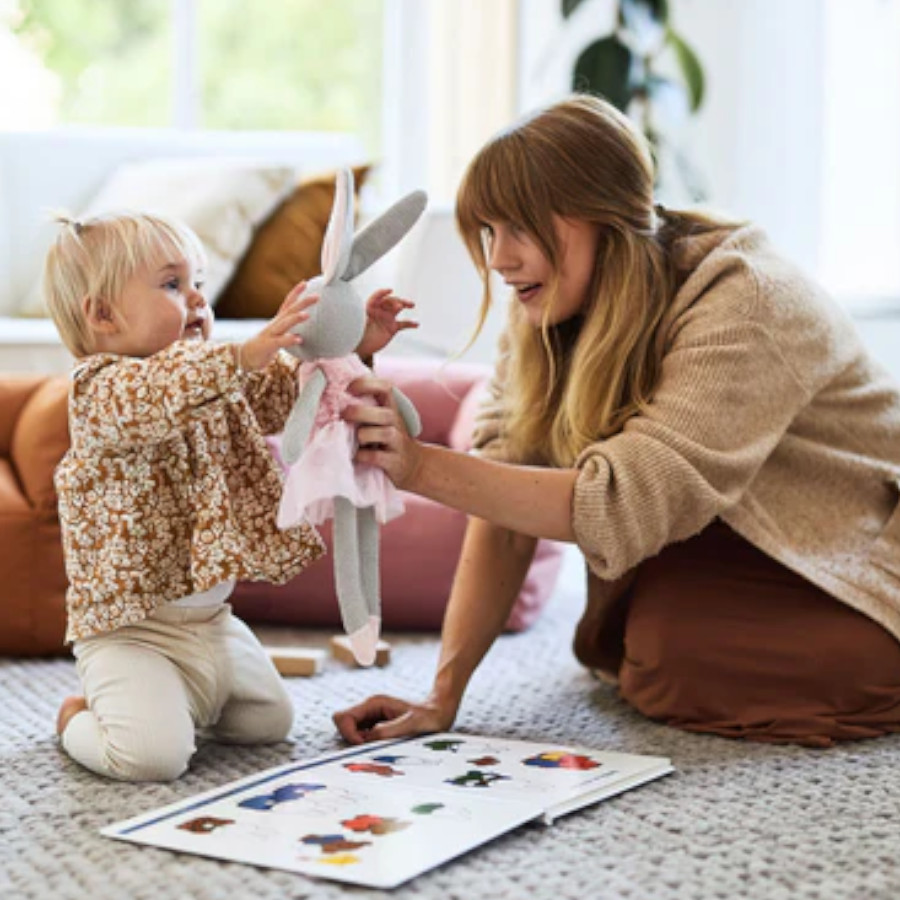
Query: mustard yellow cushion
286	248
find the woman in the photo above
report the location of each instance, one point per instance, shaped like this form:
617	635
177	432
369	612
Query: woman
699	418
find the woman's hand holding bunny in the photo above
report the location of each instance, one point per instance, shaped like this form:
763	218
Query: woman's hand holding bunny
382	324
259	351
381	433
532	500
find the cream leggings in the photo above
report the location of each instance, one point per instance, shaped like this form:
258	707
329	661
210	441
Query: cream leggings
150	686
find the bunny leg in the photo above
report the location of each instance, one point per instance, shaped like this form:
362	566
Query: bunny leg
368	535
348	581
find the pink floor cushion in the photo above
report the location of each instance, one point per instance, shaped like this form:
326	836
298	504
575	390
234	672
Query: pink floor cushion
419	552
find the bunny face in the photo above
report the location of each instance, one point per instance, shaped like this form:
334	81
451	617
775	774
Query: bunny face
335	325
338	321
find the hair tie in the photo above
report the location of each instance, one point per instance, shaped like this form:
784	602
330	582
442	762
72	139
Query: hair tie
67	221
658	215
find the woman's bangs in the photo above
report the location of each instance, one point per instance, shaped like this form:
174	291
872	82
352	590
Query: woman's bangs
488	191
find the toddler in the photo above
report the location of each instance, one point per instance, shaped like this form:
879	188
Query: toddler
168	495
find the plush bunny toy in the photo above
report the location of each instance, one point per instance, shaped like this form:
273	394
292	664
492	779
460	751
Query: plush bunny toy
323	480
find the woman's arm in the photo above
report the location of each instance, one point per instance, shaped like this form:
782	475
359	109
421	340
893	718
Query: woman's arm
492	568
528	500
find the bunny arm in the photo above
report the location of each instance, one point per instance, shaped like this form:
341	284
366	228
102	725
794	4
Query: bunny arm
300	422
408	412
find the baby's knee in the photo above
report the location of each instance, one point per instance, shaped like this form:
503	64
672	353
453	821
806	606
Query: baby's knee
130	758
257	722
129	751
279	720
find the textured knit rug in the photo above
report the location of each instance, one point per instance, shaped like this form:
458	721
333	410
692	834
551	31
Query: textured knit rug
737	819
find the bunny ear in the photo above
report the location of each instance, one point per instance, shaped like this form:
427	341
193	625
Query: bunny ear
339	234
383	233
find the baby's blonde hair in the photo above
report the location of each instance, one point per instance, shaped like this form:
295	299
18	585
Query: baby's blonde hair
97	257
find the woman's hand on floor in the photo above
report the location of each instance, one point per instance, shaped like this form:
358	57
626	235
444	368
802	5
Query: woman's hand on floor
381	717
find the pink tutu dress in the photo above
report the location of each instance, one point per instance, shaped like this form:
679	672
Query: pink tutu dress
326	468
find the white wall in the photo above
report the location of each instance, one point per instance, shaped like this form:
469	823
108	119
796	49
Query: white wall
881	335
450	83
756	138
759	134
800	127
799	130
860	247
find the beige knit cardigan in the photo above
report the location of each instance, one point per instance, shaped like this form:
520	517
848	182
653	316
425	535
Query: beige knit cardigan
770	415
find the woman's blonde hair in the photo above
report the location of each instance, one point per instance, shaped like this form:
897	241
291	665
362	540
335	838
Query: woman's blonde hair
570	385
98	256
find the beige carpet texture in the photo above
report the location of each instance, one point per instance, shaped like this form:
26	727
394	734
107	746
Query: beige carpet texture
736	820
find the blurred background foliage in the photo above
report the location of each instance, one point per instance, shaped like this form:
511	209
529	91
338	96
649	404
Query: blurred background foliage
648	71
303	65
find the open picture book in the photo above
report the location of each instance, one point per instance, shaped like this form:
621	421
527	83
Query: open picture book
380	814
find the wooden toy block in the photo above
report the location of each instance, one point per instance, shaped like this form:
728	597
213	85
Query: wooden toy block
340	649
303	661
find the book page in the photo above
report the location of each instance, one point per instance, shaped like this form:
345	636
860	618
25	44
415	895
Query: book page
564	777
382	813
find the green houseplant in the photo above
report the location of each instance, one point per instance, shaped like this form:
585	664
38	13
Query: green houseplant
647	70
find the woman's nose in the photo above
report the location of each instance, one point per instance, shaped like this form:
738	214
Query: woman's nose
500	259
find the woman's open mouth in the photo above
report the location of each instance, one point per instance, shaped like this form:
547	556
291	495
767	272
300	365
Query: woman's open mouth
527	292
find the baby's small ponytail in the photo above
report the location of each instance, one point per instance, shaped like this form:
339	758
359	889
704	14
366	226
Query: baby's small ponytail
67	221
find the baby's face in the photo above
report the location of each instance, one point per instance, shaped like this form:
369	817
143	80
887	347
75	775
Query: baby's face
160	304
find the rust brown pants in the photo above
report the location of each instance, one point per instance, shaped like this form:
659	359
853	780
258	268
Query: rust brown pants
720	638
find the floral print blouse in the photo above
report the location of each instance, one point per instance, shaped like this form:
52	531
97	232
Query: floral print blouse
169	487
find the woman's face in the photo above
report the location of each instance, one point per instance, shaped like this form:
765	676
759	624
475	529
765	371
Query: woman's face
514	254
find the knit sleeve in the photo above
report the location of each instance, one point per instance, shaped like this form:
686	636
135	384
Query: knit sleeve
725	399
126	401
272	392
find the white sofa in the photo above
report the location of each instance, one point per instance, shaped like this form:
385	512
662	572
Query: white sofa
43	171
64	168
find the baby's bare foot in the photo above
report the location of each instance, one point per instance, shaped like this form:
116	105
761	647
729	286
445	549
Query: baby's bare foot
70	706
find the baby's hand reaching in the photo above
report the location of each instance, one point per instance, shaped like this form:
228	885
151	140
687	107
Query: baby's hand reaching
382	324
260	350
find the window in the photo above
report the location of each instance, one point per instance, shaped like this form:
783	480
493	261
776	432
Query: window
422	82
232	64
